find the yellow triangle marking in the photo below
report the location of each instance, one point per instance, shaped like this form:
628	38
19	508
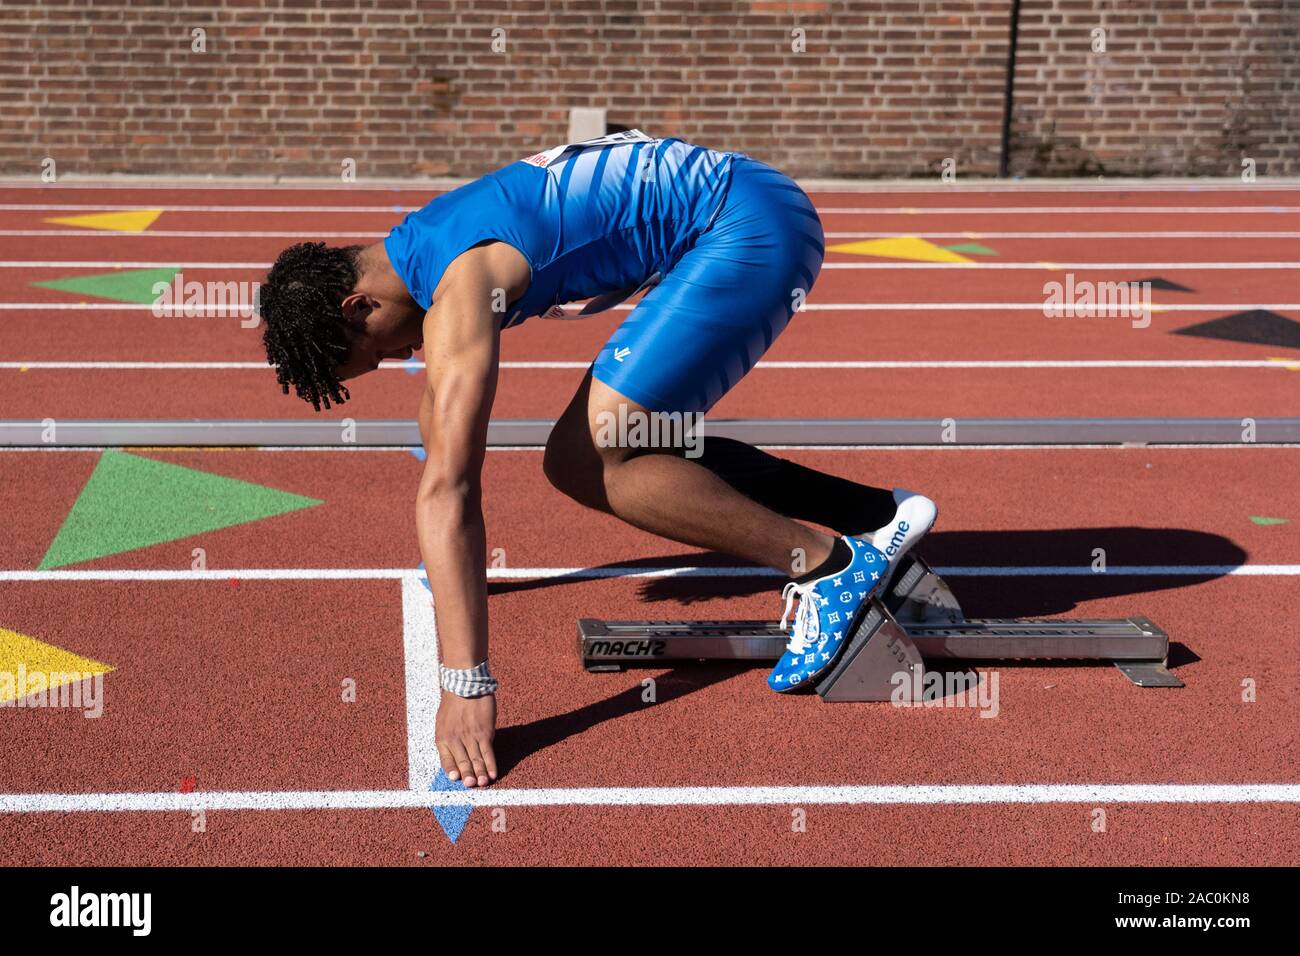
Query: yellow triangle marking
132	220
29	666
912	248
1290	364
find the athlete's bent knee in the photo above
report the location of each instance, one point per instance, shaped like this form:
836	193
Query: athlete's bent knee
573	468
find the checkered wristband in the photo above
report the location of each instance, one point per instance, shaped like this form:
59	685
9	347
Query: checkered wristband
468	682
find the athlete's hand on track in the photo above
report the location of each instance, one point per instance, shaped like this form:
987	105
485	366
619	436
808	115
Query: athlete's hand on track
466	727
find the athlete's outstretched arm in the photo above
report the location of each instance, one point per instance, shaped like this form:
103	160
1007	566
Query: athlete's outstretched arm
461	350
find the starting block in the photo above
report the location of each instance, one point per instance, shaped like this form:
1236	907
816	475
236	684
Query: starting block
915	620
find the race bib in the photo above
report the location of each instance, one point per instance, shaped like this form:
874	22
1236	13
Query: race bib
551	156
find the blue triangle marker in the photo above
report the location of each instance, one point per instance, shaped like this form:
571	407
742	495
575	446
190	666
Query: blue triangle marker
419	453
412	366
424	577
451	819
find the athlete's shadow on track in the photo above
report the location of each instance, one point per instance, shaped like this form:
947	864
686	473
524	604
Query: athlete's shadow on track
513	743
979	596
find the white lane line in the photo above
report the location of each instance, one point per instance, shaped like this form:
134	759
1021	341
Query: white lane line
149	366
999	265
616	571
824	210
177	312
1009	447
405	449
119	264
354	449
885	265
139	182
216	311
423	688
332	234
1027	210
1279	363
1071	234
165	207
190	234
1023	307
1200	186
910	794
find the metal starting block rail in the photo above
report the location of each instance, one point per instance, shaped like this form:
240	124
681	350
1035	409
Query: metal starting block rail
917	619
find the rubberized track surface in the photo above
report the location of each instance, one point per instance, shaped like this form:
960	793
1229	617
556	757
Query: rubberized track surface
225	688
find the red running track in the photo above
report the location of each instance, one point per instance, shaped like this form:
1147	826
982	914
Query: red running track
236	683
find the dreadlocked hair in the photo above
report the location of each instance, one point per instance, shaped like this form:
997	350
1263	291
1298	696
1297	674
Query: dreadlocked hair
304	332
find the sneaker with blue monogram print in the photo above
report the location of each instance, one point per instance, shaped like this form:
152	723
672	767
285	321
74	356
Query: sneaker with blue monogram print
830	608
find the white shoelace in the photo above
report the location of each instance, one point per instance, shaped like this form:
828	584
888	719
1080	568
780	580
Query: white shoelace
807	623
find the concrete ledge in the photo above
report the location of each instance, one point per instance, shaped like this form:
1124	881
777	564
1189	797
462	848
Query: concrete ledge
926	184
346	432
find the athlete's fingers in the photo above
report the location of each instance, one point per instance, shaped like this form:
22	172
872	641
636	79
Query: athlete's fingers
489	757
448	762
477	761
463	767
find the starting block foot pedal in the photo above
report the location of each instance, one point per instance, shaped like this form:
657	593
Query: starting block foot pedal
917	619
879	656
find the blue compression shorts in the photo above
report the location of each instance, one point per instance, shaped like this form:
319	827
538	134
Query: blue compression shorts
724	302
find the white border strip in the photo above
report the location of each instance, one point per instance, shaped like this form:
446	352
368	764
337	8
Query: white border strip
974	264
191	234
1026	234
339	208
15	575
223	311
344	208
410	366
859	795
352	449
332	234
423	687
987	210
121	264
997	264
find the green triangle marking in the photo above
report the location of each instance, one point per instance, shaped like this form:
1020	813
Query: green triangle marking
973	247
1258	520
122	285
132	502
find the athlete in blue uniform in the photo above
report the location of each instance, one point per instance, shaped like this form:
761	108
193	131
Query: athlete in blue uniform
726	250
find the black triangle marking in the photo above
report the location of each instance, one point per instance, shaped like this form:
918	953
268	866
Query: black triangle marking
1165	285
1257	327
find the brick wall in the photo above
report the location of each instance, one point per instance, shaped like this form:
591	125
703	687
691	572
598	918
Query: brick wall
458	87
1183	87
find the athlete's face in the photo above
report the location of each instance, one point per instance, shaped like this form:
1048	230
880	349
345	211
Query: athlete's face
379	331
